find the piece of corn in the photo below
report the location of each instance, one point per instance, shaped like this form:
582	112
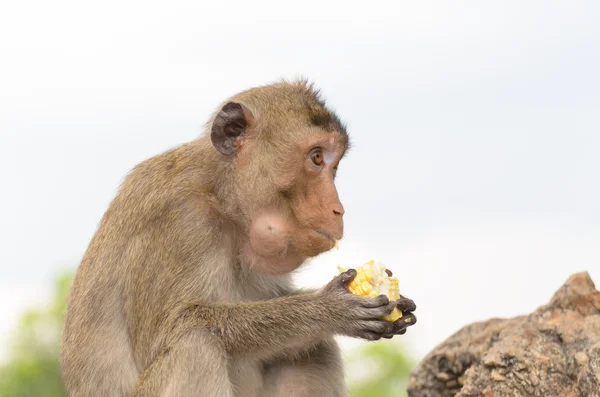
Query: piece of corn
371	280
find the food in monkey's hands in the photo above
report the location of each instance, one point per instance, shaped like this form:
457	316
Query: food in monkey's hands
373	280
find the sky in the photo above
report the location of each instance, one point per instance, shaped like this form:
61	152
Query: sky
474	172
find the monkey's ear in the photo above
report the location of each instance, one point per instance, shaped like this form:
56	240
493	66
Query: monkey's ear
229	126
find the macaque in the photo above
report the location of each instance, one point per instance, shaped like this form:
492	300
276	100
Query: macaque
185	289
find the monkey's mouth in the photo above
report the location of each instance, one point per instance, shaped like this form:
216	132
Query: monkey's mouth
326	236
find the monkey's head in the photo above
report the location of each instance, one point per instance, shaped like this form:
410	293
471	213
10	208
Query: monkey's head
283	147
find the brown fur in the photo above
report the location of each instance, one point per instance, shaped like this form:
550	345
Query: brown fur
185	288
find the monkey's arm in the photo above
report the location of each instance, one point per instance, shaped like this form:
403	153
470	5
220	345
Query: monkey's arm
267	328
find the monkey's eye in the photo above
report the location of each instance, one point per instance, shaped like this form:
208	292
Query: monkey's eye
317	157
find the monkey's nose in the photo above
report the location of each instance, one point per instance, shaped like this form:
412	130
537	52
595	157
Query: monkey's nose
338	210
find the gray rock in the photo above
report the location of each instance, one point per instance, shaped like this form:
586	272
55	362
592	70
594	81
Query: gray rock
555	351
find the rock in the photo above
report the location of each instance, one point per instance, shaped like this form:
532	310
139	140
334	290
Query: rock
555	351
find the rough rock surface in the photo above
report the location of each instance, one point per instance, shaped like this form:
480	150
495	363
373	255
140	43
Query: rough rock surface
555	351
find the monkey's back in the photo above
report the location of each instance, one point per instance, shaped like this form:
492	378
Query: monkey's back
117	295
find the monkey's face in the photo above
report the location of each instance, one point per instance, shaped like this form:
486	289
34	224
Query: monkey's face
300	213
312	196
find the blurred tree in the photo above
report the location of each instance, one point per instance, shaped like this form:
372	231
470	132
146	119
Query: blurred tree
32	369
379	369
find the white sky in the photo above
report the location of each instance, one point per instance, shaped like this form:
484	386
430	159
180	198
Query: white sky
476	127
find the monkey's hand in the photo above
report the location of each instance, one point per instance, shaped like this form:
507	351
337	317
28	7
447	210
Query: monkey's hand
407	307
356	316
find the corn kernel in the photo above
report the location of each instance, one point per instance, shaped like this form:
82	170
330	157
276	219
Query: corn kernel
368	273
366	287
360	274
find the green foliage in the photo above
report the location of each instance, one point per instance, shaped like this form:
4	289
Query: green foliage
32	368
385	369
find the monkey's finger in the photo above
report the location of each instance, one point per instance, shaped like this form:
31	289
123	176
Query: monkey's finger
376	313
406	305
391	335
347	276
383	327
380	327
407	320
378	301
390	307
369	336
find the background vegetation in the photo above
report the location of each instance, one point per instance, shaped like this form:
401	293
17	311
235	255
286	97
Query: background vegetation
32	368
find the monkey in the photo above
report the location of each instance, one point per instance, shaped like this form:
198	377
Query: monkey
186	287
